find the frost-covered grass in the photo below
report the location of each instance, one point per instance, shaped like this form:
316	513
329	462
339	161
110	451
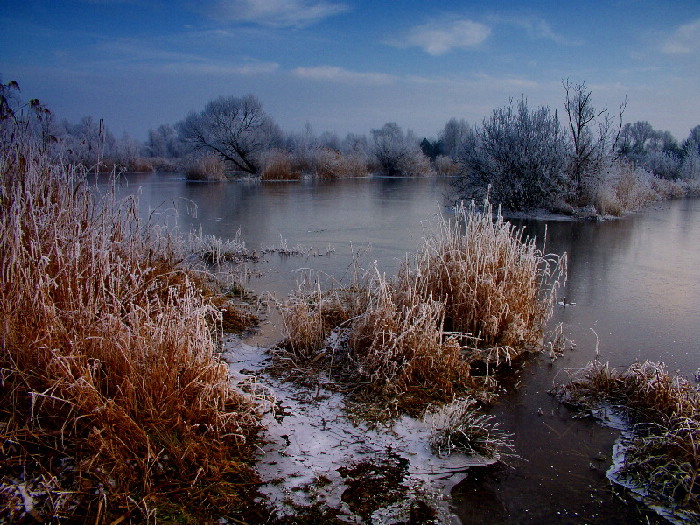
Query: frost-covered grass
205	167
115	402
461	427
664	454
477	291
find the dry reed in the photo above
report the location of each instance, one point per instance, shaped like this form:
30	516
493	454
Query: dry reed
476	292
114	400
460	427
664	454
278	165
205	167
330	164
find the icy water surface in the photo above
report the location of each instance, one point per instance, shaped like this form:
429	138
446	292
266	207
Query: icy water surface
633	291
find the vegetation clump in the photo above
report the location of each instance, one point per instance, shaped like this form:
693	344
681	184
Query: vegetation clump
460	427
477	293
664	453
115	402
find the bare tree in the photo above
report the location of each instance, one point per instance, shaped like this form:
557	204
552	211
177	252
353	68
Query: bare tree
237	129
594	133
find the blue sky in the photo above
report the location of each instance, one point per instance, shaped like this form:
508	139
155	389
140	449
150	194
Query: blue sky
351	65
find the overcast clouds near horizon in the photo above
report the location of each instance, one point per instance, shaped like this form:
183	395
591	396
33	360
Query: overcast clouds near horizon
351	65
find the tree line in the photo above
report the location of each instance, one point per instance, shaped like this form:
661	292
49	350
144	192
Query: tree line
523	157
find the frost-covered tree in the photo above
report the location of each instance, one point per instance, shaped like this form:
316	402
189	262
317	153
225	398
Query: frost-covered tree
398	153
694	138
87	143
635	137
593	134
453	137
237	129
520	155
164	142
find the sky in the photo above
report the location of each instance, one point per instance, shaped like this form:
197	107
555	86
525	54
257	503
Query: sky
350	66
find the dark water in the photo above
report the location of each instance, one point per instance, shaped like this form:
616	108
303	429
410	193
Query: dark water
635	283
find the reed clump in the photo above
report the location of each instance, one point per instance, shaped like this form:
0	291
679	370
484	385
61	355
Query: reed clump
664	453
331	164
205	167
114	400
461	427
279	165
476	292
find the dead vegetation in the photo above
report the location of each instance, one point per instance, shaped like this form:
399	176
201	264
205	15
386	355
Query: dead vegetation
664	453
115	402
477	293
461	427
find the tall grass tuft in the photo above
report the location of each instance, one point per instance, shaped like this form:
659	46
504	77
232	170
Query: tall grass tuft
460	427
477	291
114	400
664	454
205	167
497	286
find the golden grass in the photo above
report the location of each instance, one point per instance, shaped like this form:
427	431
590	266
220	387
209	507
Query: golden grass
330	164
477	291
114	399
206	167
278	165
664	455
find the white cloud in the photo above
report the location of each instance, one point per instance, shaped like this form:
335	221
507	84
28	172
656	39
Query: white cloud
206	68
339	74
684	40
276	13
439	37
539	29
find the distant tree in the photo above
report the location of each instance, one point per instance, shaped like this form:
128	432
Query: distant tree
520	155
690	167
356	145
237	129
430	148
453	137
164	142
694	138
398	153
86	143
636	136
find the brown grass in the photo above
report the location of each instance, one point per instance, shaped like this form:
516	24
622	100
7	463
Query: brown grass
664	454
446	166
476	292
114	400
331	164
206	167
497	286
278	165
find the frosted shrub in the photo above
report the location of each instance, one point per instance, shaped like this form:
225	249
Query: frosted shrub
445	165
477	291
520	155
622	187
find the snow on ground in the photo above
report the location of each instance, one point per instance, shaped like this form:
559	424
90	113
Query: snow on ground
311	443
